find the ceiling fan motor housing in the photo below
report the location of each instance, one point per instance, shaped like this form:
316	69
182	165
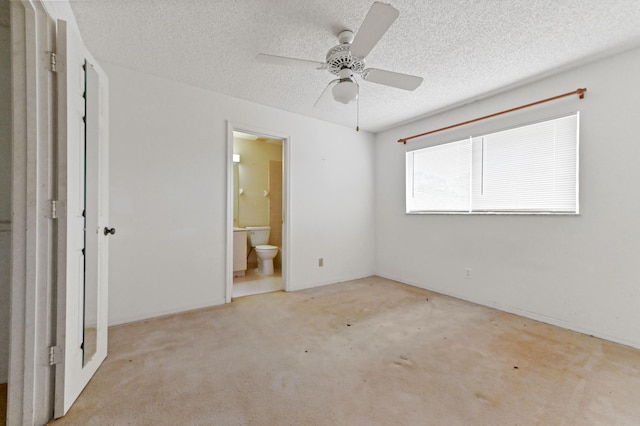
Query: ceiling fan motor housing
339	57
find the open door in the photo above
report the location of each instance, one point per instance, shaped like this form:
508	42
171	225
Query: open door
82	212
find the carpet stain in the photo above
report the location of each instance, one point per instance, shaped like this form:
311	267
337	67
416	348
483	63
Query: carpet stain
490	401
404	362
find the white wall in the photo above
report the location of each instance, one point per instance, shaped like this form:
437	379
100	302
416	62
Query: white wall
5	188
168	195
581	272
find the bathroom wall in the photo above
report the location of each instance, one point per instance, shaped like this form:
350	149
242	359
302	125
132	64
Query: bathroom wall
168	175
275	207
253	171
5	187
579	272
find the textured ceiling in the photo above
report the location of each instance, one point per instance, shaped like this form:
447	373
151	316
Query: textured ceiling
464	49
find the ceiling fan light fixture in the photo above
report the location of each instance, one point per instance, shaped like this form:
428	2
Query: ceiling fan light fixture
345	91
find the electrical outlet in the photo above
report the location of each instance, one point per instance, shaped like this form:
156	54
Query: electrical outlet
321	262
467	273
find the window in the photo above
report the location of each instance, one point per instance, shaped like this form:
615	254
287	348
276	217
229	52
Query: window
528	169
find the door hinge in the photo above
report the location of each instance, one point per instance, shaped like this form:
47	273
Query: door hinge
52	62
56	355
53	209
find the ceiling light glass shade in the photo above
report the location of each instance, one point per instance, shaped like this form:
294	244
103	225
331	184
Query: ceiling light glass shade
345	91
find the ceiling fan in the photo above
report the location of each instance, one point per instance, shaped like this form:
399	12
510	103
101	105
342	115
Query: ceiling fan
348	58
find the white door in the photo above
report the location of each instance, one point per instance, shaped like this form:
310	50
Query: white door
82	226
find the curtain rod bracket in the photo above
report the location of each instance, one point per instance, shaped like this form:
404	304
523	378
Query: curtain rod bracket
580	92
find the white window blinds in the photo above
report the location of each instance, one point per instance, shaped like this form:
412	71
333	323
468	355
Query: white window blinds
531	168
438	178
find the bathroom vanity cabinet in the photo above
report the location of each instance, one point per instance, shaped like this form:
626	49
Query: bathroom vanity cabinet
239	252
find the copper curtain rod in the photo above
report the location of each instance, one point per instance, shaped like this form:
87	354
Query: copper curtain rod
579	92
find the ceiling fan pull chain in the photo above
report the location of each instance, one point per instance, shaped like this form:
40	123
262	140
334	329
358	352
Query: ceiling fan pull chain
358	110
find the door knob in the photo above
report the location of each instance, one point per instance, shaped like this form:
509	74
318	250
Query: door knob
108	231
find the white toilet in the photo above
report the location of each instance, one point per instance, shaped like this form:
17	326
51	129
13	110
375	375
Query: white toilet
259	238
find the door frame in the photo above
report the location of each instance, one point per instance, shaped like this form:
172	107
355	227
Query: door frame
286	221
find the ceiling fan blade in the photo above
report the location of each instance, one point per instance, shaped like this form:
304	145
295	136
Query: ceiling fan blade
375	25
290	62
326	93
393	79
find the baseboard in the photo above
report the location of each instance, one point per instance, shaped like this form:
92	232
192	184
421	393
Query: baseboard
331	281
524	313
164	312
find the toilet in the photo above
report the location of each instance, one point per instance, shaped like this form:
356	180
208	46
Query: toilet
259	238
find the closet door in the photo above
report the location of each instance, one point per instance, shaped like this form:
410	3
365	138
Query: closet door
83	230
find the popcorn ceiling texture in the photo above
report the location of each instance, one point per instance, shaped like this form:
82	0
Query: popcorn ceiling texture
464	49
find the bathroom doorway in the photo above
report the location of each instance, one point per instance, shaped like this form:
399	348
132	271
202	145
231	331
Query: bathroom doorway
257	187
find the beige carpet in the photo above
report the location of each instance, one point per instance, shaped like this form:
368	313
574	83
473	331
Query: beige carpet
365	352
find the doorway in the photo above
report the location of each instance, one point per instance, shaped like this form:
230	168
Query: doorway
68	107
257	206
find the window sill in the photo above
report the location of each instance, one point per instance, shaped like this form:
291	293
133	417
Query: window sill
497	213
